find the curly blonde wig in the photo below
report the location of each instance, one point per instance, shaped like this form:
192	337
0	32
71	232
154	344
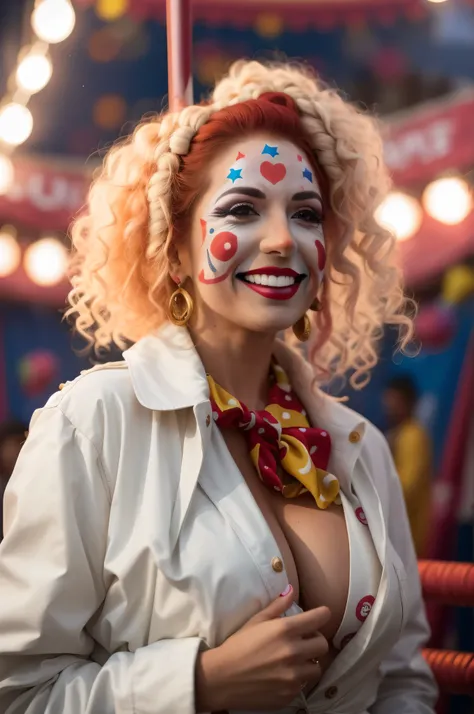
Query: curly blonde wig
121	244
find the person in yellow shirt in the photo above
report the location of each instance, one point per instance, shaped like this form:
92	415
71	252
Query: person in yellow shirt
412	452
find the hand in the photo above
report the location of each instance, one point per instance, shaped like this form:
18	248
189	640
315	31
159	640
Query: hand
266	663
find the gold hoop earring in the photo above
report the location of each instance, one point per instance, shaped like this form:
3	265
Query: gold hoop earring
181	306
302	328
316	305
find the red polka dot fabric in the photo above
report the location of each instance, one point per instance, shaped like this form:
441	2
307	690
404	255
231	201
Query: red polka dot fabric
365	572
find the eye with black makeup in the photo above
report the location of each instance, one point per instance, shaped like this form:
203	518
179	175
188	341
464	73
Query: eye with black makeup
311	215
237	210
247	210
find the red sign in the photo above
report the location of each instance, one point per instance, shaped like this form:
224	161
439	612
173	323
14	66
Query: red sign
44	196
431	140
296	15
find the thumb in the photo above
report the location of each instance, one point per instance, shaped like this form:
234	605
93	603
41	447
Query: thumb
277	607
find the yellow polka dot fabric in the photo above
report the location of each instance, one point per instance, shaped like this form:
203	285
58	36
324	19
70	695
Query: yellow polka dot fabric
290	456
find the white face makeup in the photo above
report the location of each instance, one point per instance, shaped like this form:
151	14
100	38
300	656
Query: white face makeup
260	251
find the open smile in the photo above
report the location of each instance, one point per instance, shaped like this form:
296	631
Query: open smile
273	283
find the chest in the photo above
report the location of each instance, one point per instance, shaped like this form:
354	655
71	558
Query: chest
313	542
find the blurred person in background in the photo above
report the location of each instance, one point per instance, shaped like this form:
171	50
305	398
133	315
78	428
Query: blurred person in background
411	448
12	436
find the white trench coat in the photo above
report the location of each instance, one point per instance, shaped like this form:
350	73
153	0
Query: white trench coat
132	541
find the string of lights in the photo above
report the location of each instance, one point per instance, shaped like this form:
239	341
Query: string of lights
447	199
52	21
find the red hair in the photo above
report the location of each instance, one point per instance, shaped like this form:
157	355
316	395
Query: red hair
273	113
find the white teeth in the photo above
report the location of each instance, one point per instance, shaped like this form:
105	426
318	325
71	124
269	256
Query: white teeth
280	281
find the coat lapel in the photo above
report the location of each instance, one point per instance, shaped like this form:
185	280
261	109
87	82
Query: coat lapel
168	375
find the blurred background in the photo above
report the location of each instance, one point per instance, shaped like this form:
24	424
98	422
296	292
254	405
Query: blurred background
76	75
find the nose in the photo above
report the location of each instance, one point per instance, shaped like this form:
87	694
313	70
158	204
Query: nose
278	239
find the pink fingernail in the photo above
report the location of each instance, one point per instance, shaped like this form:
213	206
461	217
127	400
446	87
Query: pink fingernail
287	590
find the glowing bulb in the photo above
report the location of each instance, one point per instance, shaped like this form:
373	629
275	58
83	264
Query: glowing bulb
437	2
448	200
111	9
46	262
34	72
7	174
401	214
53	20
16	123
10	252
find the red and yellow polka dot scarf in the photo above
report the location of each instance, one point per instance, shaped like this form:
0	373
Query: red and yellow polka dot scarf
280	435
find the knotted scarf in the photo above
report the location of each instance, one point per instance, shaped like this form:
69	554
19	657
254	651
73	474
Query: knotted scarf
290	455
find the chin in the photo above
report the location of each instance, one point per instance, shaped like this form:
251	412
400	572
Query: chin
265	327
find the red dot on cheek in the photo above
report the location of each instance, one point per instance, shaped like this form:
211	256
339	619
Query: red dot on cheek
224	246
321	255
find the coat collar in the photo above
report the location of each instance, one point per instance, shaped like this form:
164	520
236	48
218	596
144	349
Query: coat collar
166	371
167	374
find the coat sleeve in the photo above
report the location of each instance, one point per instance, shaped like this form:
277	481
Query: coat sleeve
407	686
52	583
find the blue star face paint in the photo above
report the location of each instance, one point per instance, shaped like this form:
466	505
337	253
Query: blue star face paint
235	174
270	150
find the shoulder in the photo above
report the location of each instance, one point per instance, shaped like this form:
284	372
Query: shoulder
95	396
353	431
103	381
413	432
351	426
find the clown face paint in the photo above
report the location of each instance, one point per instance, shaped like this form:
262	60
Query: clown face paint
278	171
259	235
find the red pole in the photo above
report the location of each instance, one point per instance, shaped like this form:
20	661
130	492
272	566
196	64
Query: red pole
179	38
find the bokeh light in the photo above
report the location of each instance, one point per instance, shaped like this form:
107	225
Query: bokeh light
110	111
269	25
400	214
111	9
104	45
53	20
46	262
212	67
16	123
448	200
10	251
7	174
34	72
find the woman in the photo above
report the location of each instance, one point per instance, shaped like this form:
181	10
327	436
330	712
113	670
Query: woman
167	511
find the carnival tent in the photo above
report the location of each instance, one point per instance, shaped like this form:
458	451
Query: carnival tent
430	141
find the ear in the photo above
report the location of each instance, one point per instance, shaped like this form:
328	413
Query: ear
173	259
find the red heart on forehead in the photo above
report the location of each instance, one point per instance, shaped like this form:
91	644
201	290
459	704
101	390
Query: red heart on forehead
273	172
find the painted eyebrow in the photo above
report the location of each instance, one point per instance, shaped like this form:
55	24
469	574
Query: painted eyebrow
243	191
256	193
304	195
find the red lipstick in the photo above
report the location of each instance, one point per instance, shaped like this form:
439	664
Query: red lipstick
273	292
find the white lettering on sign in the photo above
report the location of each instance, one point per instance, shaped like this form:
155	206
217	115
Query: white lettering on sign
420	146
49	193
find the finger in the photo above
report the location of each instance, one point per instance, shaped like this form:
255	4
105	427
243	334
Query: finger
313	648
310	672
276	608
309	622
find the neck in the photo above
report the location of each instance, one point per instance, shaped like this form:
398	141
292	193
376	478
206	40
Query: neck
238	360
